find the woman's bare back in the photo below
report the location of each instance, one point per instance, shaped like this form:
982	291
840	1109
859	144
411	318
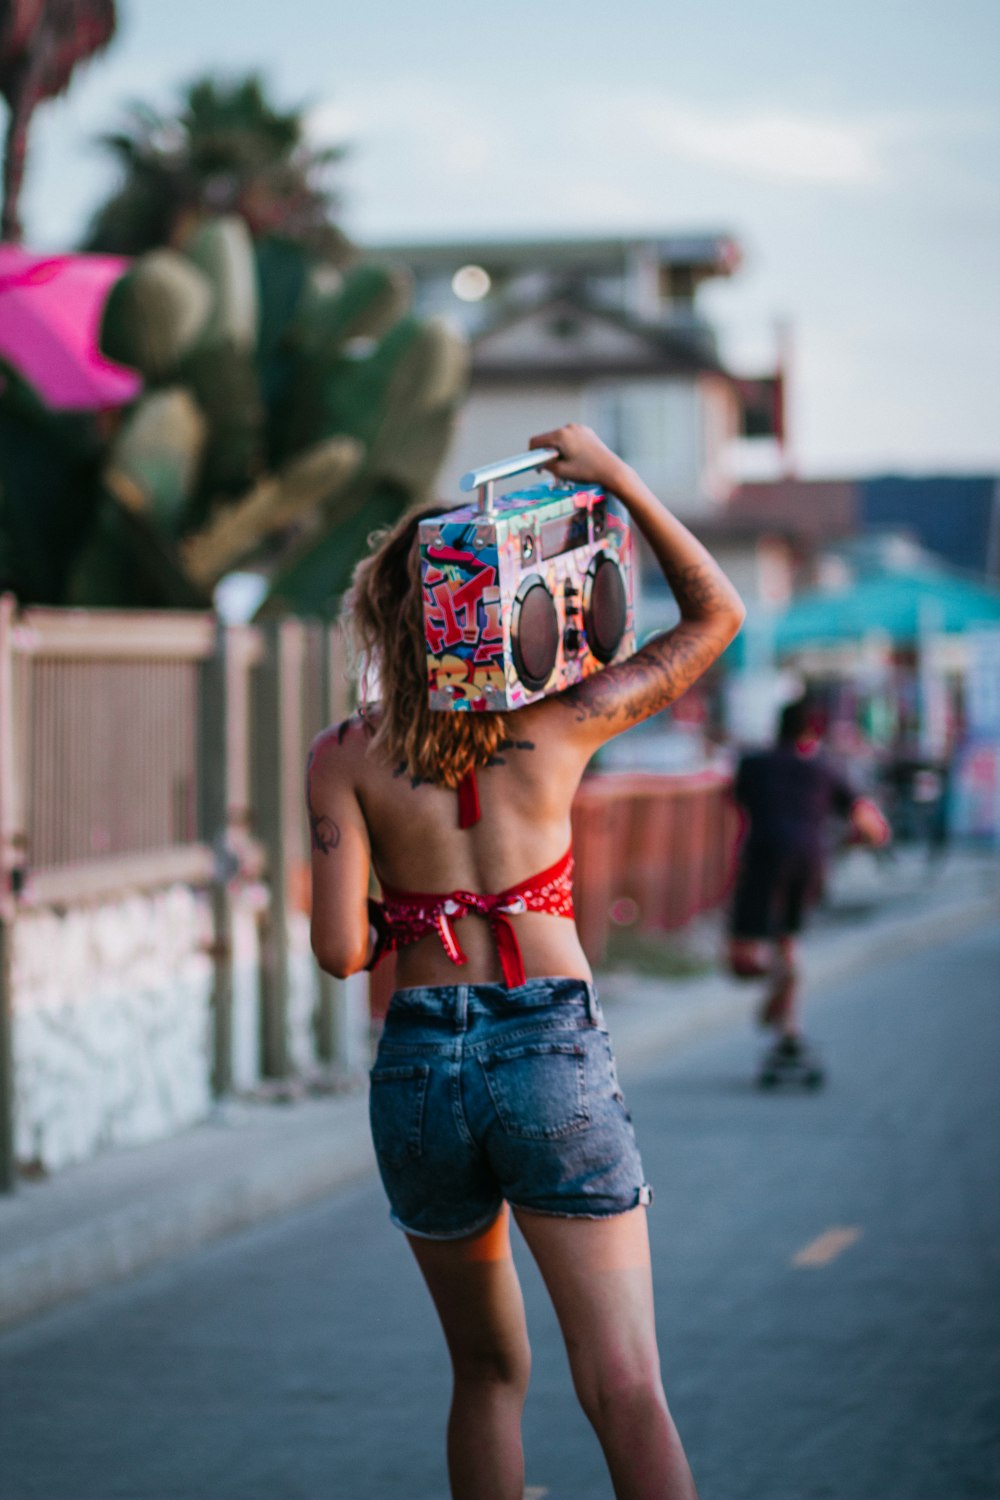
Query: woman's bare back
525	794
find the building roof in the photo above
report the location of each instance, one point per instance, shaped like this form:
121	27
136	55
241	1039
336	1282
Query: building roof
566	336
814	511
711	253
956	516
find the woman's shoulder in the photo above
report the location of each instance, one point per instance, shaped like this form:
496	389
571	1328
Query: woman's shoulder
340	748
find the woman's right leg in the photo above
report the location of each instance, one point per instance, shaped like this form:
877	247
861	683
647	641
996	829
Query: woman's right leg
478	1298
597	1272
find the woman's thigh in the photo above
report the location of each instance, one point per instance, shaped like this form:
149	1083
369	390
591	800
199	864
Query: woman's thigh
477	1294
599	1277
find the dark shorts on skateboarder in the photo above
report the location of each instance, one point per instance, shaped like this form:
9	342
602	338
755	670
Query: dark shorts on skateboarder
773	892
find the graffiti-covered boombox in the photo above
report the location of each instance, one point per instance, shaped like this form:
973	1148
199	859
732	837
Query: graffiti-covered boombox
524	594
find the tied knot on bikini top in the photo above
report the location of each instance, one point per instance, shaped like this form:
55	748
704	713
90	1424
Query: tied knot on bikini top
404	917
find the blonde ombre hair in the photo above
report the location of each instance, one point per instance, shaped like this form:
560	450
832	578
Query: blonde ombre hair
384	615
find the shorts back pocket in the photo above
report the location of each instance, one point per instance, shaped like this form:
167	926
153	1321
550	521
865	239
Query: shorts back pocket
539	1089
396	1109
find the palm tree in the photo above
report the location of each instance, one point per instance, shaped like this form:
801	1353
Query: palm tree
226	149
41	43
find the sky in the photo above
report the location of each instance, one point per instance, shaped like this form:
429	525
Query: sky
852	150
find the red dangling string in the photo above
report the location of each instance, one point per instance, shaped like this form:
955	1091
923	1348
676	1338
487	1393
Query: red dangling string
468	800
452	946
509	949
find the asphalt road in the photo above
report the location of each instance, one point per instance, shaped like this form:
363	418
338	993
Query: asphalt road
301	1360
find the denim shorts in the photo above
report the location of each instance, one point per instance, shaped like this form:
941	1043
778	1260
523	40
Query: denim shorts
481	1093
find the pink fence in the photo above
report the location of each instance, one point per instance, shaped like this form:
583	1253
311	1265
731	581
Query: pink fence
661	848
663	844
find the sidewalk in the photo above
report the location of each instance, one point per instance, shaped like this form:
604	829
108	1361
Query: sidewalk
122	1212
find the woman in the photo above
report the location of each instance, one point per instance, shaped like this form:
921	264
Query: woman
494	1084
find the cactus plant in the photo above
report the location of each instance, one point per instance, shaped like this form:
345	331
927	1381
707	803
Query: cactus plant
274	503
291	404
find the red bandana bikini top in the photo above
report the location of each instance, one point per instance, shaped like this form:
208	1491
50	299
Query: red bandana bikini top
403	917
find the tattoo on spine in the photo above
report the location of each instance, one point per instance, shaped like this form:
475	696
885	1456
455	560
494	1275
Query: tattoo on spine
324	834
497	759
415	781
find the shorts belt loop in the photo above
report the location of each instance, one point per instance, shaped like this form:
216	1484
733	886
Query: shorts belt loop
593	1009
461	1007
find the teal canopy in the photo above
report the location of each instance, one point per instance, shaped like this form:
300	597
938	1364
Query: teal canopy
902	605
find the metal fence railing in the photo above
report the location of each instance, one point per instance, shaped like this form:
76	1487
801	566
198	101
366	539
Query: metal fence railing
101	783
139	750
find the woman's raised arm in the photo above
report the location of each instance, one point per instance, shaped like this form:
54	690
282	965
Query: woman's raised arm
711	609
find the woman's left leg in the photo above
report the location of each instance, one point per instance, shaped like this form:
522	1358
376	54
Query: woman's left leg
478	1298
598	1275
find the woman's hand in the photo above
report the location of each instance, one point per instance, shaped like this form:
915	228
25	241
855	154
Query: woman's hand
711	611
584	458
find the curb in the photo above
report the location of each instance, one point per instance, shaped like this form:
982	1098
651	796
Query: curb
113	1247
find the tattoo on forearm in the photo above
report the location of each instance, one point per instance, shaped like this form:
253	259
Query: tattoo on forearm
656	675
324	834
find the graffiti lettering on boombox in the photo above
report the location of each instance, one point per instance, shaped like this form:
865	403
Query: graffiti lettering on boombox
462	603
462	618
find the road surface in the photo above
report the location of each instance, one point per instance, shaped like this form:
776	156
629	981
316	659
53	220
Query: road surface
826	1272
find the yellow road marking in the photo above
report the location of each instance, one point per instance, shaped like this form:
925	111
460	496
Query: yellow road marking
830	1244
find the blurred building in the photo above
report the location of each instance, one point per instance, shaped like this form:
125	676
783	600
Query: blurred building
603	331
955	517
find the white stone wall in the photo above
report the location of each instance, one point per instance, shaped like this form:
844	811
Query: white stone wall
112	1024
303	995
112	1019
247	906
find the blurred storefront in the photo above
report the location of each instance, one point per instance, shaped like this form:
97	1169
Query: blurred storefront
904	657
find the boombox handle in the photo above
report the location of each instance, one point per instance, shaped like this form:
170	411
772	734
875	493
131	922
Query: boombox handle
483	479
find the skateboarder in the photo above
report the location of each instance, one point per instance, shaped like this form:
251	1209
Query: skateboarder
788	795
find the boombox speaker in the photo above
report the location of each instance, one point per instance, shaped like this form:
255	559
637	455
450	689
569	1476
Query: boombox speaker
524	594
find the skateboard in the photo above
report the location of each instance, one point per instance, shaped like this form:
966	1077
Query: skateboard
791	1061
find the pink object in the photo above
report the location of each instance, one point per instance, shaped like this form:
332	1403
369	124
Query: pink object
50	317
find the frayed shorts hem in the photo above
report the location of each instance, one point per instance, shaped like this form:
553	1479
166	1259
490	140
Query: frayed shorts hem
450	1234
643	1198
